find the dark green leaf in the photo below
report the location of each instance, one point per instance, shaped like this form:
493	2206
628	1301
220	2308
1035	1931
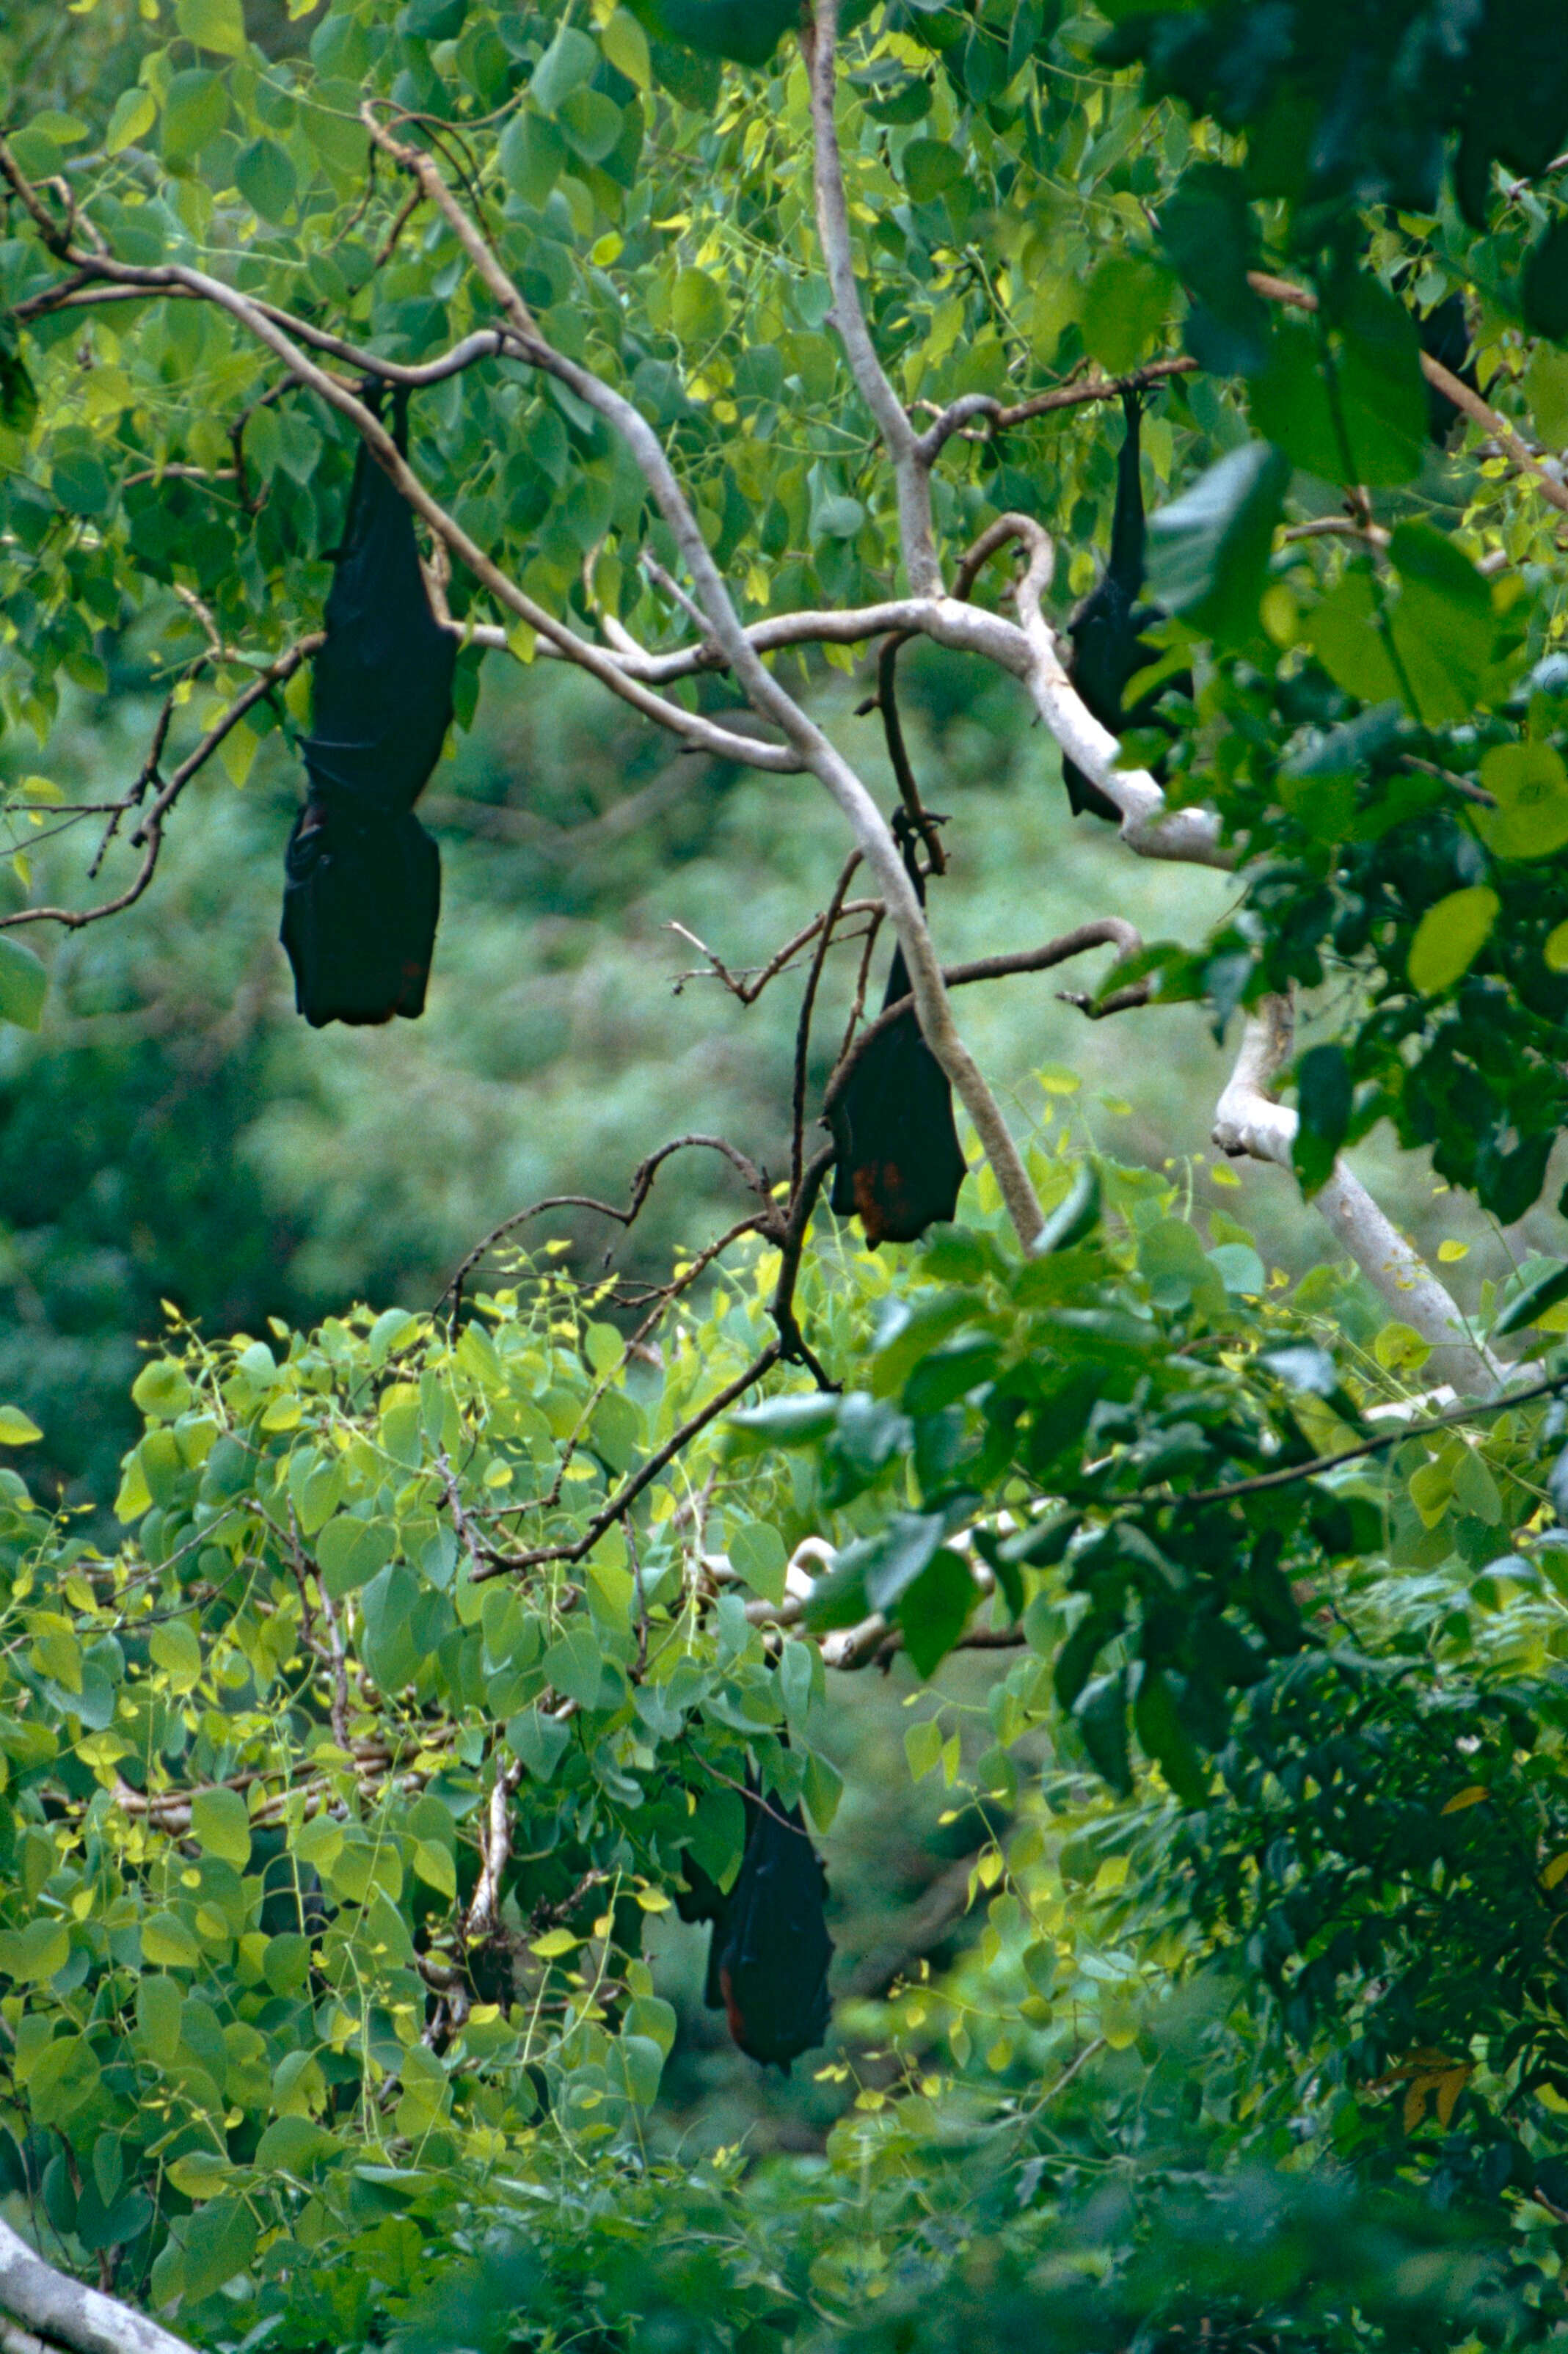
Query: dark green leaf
936	1608
749	31
1324	1102
1543	1292
1209	549
1100	1711
1546	283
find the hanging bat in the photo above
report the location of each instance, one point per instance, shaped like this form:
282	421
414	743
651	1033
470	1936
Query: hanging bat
1107	648
362	891
769	1950
897	1163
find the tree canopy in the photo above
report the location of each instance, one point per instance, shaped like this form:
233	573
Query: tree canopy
352	1759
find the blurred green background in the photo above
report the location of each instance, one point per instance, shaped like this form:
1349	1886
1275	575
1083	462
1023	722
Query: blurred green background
175	1132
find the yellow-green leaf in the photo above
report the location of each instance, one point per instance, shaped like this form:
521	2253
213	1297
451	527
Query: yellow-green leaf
133	116
1450	937
217	25
1471	1796
16	1428
1529	785
553	1944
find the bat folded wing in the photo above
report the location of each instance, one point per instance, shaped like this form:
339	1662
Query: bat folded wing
360	902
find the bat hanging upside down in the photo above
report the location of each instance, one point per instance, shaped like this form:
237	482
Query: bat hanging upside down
769	1956
363	887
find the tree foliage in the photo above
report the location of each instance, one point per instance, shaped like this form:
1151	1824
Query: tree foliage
341	1792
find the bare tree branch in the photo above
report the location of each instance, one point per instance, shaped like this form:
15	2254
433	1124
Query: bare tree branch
67	2314
911	468
149	834
1248	1123
1442	380
810	747
1107	931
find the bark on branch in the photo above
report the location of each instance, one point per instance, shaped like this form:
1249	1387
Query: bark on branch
66	2314
1249	1124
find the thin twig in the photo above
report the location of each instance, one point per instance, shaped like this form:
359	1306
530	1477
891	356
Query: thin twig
1264	1479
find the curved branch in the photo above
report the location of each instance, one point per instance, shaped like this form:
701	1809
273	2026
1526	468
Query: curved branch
1249	1124
1000	415
703	734
911	468
1148	826
1106	931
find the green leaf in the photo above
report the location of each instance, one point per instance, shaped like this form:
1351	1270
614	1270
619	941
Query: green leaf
747	31
718	1834
697	307
219	2242
433	1864
286	1964
19	395
1450	937
435	20
1209	549
1166	1739
133	116
1100	1711
539	1741
195	111
16	1428
757	1555
175	1649
350	1552
67	2074
220	1826
936	1608
1346	632
569	63
928	166
162	1389
35	1952
218	25
923	1747
532	153
797	1421
1444	629
574	1666
80	484
1323	1098
1125	305
1532	1303
592	123
1529	785
293	2145
167	1944
1546	392
160	2006
1359	417
625	45
1546	283
637	2063
264	176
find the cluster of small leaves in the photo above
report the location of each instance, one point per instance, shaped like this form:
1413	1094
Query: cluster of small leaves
1110	1428
1401	766
1345	109
254	1996
1386	1861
